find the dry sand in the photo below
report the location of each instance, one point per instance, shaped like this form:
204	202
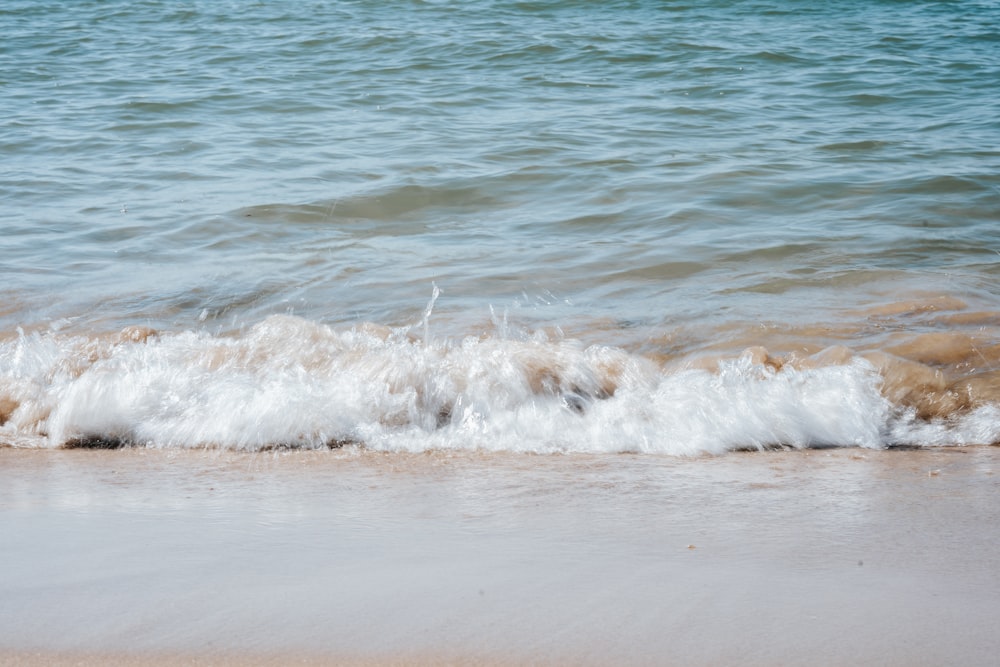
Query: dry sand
206	557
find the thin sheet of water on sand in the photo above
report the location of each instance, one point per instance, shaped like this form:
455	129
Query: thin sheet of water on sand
817	556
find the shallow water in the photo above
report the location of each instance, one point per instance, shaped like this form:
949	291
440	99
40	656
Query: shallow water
611	199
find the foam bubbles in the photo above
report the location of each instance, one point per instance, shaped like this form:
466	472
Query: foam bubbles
292	382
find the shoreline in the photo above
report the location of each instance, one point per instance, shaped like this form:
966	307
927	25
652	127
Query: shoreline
213	557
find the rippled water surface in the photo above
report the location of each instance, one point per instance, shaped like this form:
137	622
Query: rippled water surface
667	179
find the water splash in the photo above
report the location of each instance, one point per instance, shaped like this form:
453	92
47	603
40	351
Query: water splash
291	382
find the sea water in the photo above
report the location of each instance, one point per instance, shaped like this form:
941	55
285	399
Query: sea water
662	227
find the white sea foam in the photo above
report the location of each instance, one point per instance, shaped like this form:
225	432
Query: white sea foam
292	382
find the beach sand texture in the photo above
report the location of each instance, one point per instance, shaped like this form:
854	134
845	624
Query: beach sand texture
785	557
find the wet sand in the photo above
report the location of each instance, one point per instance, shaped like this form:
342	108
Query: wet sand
208	557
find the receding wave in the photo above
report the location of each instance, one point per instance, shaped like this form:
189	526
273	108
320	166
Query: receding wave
292	382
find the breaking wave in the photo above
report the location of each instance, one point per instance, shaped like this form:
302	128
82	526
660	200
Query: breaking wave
292	382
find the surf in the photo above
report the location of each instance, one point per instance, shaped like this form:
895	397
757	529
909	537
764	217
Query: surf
290	382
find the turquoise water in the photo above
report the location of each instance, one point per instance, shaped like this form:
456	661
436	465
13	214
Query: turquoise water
664	180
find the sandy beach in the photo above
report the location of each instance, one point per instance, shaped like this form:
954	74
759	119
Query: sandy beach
500	333
211	557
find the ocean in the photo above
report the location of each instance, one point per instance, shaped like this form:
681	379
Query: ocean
547	227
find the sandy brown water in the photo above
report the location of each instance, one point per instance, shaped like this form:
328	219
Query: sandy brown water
799	557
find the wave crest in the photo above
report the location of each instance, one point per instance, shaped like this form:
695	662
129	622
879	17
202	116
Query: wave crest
290	382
